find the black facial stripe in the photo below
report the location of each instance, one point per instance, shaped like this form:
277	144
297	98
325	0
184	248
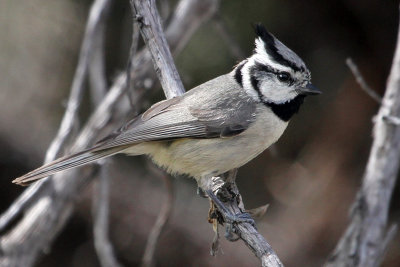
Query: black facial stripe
255	82
270	47
269	69
238	73
265	68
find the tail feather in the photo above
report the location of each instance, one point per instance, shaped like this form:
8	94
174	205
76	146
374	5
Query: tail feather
66	163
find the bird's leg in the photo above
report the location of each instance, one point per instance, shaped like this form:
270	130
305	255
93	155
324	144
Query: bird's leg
201	192
228	216
226	205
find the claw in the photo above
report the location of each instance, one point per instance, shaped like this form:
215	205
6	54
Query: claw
230	219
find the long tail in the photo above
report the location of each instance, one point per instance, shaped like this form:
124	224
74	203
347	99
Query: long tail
65	163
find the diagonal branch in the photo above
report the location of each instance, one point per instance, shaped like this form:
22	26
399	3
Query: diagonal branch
150	27
100	205
162	219
232	205
361	81
366	238
97	14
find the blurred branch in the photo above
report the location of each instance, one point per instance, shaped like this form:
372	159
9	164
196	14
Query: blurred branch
93	27
232	205
97	72
162	219
36	217
366	238
361	81
102	243
226	35
96	15
132	53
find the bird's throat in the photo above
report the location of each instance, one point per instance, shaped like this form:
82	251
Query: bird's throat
286	110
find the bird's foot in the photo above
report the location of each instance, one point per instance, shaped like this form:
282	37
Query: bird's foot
228	217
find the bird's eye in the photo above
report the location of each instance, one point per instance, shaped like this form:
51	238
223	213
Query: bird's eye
283	76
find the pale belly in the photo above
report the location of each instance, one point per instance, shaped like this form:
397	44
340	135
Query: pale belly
209	157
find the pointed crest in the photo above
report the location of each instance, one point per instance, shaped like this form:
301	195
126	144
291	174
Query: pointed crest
276	50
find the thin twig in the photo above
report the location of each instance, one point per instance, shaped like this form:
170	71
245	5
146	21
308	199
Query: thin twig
96	15
232	205
226	35
102	243
162	219
97	72
132	53
361	81
165	10
366	238
391	119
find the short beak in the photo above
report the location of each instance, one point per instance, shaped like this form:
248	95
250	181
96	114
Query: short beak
309	89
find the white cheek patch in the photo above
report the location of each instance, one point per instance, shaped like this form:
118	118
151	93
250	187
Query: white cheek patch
277	94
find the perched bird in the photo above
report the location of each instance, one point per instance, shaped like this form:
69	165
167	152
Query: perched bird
215	127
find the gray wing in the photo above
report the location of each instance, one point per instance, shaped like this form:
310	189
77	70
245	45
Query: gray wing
218	108
211	110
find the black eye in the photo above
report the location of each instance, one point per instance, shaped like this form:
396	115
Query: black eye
283	76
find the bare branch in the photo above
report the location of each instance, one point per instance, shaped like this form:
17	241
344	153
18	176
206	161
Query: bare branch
97	13
232	205
132	53
361	81
162	219
366	237
226	35
97	72
102	243
392	120
153	35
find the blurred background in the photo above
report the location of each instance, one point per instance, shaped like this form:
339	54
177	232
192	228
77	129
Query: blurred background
309	178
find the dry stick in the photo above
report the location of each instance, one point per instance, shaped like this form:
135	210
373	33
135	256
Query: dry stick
226	35
150	27
244	230
132	53
366	238
151	31
162	219
102	243
97	72
100	206
44	211
97	14
361	81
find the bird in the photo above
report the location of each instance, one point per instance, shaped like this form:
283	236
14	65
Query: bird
215	127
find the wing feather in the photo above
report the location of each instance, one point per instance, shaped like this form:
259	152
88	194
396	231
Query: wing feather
204	112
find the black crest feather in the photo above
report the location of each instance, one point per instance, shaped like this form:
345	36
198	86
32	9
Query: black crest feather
270	45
